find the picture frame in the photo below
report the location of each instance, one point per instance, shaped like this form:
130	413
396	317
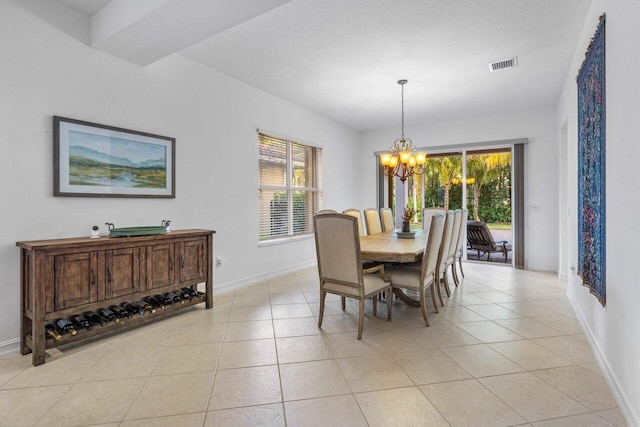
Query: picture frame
94	160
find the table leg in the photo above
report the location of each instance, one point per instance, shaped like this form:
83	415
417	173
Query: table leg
405	299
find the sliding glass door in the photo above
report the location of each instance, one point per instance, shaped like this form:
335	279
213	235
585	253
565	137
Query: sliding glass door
478	180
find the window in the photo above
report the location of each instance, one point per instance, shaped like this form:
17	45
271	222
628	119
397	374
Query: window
290	188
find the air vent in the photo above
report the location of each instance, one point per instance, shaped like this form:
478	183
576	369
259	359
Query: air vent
505	63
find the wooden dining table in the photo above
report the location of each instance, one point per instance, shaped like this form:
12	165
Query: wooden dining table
388	247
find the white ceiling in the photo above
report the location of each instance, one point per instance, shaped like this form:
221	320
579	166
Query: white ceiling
342	58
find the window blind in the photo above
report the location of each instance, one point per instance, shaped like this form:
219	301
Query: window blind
289	187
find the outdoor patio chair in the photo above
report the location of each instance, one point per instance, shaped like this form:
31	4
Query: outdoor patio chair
480	239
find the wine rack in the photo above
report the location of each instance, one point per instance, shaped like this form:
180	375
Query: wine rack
63	277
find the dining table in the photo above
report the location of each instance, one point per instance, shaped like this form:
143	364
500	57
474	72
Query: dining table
390	247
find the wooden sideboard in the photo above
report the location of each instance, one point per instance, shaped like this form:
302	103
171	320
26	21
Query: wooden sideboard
63	277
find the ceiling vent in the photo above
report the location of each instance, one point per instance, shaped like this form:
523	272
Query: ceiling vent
503	64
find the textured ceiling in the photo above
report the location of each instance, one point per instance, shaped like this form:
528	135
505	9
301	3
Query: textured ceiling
342	58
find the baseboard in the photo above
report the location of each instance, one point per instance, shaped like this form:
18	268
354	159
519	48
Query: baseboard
542	267
631	417
10	347
233	286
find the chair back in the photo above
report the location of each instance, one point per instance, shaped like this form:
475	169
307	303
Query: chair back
446	240
461	233
356	214
457	220
325	211
479	236
388	224
338	249
372	219
432	248
427	213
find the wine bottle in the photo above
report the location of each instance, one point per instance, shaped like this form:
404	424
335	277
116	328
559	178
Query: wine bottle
154	302
173	297
145	306
132	308
119	311
108	315
182	294
51	332
80	321
65	327
192	292
94	318
164	300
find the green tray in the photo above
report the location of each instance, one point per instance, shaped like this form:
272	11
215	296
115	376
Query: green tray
137	231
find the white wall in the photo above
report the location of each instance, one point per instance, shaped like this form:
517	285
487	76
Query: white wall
541	168
45	72
614	330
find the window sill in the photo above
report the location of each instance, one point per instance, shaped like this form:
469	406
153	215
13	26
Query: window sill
284	240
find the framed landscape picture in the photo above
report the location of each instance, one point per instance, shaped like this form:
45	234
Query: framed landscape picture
95	160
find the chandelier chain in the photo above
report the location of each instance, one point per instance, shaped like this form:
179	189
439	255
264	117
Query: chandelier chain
402	96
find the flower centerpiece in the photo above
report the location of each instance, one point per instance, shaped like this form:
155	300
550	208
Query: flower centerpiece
409	212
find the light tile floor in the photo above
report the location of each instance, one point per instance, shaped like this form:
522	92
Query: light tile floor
505	350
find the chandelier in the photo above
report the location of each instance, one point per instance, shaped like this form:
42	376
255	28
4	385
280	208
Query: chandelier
401	161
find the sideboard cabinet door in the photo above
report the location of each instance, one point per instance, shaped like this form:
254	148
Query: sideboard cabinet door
75	279
122	272
161	265
193	262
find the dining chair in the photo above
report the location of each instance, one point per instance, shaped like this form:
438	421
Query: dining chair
425	277
460	247
441	271
455	231
325	211
356	214
388	224
372	219
340	266
427	213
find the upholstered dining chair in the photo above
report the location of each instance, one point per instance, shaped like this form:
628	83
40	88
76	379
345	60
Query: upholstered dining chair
441	271
460	247
427	213
388	224
340	266
356	214
372	219
451	255
325	211
423	278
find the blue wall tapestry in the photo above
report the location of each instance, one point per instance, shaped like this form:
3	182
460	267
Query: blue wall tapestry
591	167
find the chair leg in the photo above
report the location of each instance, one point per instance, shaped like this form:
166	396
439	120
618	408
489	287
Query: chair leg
322	296
423	306
375	306
343	303
460	262
433	298
454	273
389	301
361	318
437	280
446	282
